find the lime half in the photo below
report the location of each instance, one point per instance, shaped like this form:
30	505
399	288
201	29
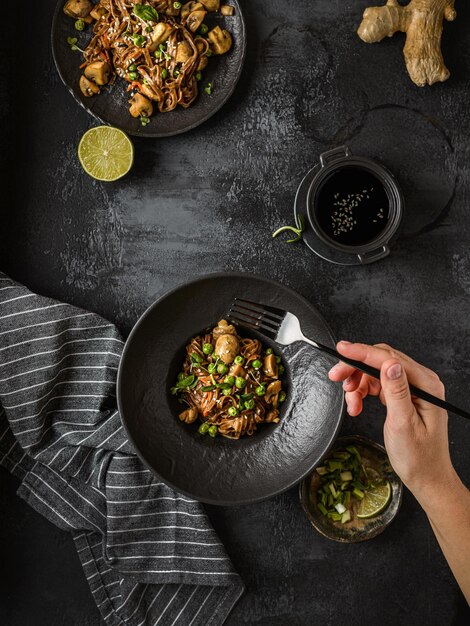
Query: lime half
376	499
106	153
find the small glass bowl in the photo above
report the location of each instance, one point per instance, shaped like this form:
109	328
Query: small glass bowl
358	529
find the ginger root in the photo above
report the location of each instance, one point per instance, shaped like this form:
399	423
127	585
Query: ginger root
422	21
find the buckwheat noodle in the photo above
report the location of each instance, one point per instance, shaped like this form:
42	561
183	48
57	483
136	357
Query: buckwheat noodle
159	79
210	398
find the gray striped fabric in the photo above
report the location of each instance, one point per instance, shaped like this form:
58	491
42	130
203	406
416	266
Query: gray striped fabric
149	554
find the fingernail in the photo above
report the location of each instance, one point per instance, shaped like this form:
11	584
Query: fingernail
346	382
334	368
344	342
394	371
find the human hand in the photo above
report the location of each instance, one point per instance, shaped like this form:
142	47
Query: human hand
415	432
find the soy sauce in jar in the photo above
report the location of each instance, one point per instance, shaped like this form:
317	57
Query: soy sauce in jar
352	206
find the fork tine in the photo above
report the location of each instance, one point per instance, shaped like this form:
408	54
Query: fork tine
255	315
260	308
253	323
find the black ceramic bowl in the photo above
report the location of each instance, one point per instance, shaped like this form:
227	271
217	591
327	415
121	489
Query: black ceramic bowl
111	105
332	164
222	471
359	529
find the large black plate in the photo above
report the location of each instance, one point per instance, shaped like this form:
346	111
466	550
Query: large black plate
111	105
221	471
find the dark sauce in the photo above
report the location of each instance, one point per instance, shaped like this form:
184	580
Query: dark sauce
352	206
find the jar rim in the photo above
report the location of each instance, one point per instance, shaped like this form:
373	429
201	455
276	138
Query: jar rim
392	189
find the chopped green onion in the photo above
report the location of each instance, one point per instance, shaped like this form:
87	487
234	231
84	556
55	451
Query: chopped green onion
213	430
322	509
340	508
132	68
278	359
209	89
204	428
80	25
177	5
165	75
346	517
250	404
224	386
208	388
198	76
208	348
196	358
256	364
227	392
230	380
322	470
358	493
331	487
203	29
209	52
346	476
261	390
240	382
334	465
282	396
239	360
336	517
353	450
211	368
232	411
269	351
133	75
176	73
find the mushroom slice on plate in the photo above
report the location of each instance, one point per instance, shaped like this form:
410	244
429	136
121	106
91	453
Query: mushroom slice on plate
159	35
183	52
87	87
189	416
211	5
79	9
227	347
195	19
270	366
140	106
189	7
99	72
221	40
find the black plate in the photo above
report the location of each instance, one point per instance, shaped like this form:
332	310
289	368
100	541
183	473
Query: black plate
111	105
222	471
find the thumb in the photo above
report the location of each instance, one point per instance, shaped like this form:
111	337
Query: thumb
396	391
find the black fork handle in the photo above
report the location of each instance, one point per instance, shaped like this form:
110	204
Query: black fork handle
375	373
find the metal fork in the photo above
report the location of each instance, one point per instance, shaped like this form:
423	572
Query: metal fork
284	328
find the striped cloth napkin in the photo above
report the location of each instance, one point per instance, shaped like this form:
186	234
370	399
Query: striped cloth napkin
150	555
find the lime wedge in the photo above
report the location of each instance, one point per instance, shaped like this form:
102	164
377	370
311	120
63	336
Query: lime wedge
106	153
376	499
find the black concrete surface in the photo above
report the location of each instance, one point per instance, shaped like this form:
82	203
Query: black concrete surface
208	201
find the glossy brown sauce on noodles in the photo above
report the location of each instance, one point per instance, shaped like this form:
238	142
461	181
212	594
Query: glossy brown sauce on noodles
229	384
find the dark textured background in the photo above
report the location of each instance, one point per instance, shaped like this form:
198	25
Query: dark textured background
208	201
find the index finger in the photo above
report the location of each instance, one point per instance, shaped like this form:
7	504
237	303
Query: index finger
375	356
